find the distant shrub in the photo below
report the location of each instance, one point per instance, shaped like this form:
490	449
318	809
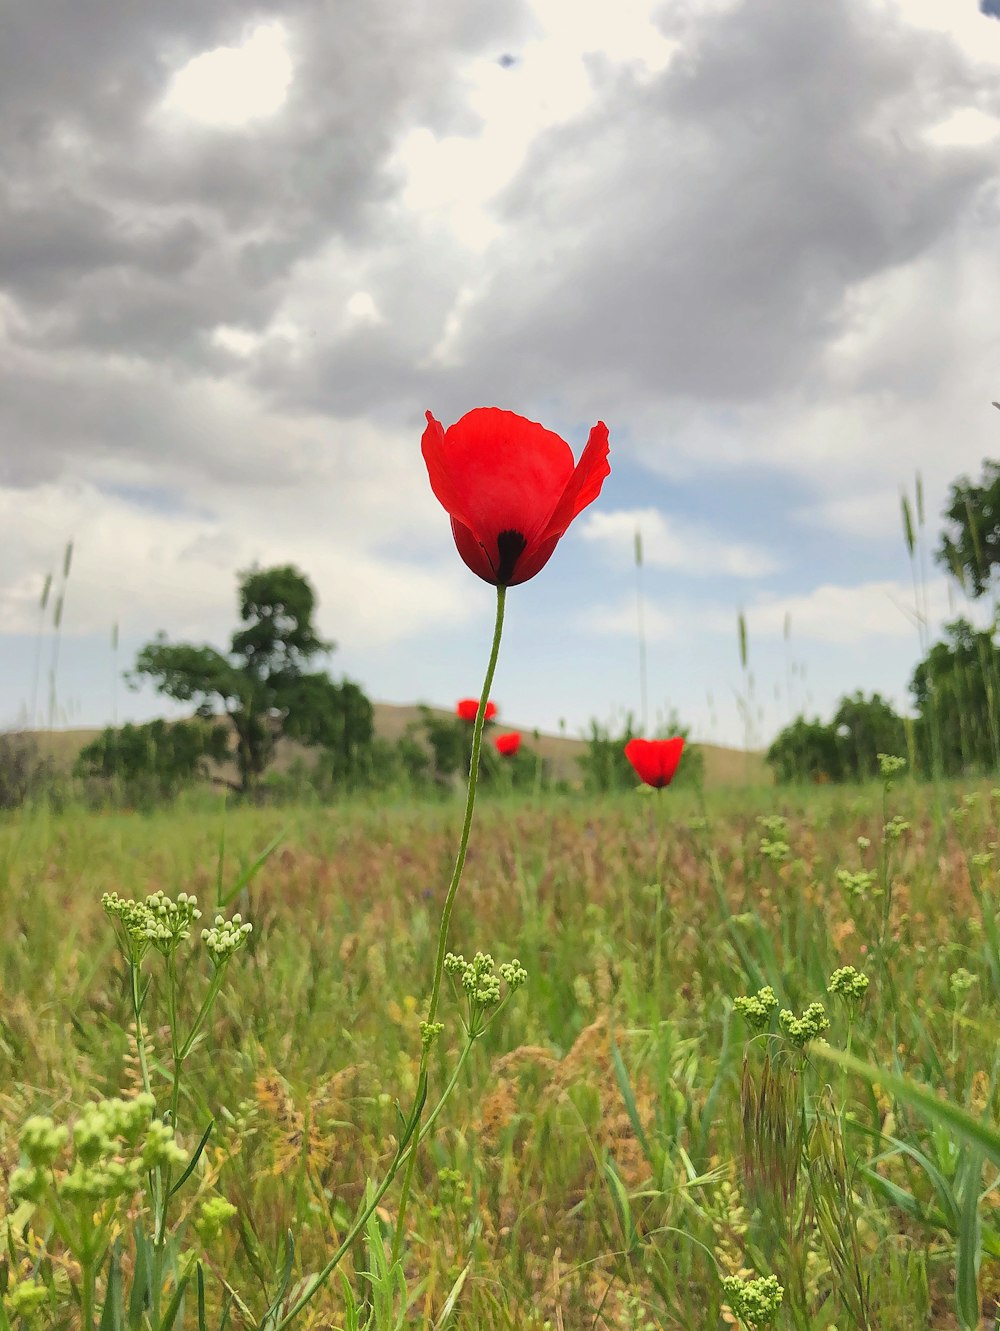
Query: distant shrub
23	774
605	767
146	763
845	750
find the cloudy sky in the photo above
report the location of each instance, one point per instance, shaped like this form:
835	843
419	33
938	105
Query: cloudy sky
242	250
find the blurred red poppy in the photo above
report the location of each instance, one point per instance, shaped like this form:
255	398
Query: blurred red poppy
508	745
467	708
655	760
510	488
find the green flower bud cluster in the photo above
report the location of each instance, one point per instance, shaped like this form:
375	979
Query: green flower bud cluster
856	886
429	1032
158	921
212	1217
756	1009
983	859
226	937
889	765
774	844
895	828
25	1298
960	982
41	1140
114	1143
482	984
849	984
755	1302
810	1026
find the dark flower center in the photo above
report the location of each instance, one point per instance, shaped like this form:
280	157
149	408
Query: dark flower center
510	546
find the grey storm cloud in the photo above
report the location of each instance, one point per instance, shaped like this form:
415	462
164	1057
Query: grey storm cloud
691	236
124	236
696	235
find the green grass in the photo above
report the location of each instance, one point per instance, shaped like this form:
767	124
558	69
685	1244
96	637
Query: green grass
594	1168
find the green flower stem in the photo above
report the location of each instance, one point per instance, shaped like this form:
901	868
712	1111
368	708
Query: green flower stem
413	1134
203	1011
445	1094
140	1034
140	1045
456	878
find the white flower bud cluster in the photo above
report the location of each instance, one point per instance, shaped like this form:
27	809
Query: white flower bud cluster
226	937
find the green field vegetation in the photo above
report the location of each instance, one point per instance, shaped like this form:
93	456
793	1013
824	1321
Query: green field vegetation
620	1140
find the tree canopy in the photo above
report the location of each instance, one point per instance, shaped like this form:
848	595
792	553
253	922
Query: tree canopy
263	684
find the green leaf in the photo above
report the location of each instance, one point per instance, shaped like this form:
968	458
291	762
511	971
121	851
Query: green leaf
622	1203
974	1130
251	872
284	1281
196	1156
174	1306
142	1278
628	1097
111	1316
969	1247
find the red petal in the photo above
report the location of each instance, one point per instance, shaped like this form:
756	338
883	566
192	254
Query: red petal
655	760
472	552
494	471
585	483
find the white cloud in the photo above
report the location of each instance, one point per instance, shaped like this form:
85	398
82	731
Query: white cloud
846	614
669	542
231	85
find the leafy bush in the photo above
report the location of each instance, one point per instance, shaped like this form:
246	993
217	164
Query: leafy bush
153	761
23	773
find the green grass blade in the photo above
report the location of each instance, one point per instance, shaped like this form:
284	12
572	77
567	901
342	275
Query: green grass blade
968	1249
251	872
970	1129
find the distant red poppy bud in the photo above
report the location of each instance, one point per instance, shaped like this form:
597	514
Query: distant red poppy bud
467	708
508	745
510	487
655	760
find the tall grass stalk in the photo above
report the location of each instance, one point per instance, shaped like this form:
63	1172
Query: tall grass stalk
43	602
57	617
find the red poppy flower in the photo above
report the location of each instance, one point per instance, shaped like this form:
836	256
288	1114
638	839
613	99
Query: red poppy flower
655	760
508	745
467	708
510	487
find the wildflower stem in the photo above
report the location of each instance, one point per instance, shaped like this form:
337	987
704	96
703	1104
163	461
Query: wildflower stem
449	902
140	1034
452	1081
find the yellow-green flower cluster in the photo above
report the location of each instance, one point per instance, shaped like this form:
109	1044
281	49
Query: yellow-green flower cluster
801	1030
482	983
755	1302
895	828
889	765
756	1009
856	885
960	982
226	937
114	1143
212	1217
849	984
774	844
25	1297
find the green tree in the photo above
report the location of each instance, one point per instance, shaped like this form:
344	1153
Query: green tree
339	719
866	727
970	547
262	684
806	751
956	689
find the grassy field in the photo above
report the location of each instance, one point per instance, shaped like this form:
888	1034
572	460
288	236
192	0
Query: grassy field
619	1140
